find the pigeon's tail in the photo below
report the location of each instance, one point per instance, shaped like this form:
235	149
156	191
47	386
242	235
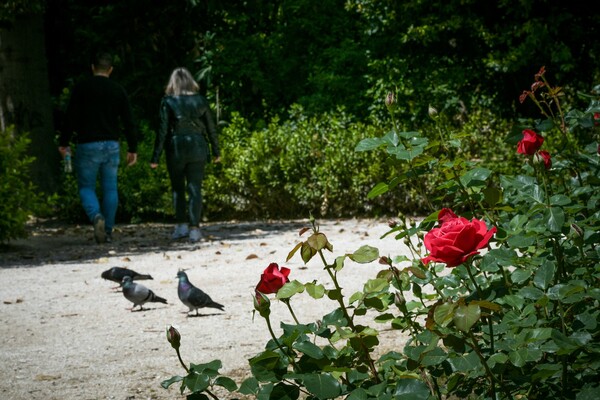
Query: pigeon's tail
156	299
141	277
216	305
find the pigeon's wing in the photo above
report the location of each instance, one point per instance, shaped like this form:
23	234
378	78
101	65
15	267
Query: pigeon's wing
199	299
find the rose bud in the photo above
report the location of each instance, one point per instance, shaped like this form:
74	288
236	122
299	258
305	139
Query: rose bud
173	337
262	304
543	156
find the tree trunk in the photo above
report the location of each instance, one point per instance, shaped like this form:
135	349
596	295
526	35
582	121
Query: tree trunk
25	95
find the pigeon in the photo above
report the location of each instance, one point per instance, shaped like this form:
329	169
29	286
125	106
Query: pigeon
116	274
139	294
193	297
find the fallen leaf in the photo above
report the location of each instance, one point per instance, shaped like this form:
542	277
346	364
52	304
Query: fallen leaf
126	259
251	256
43	377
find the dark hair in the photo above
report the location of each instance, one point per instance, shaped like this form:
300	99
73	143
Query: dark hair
103	61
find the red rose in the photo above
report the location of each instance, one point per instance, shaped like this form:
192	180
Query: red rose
530	143
597	118
545	156
446	215
456	240
272	279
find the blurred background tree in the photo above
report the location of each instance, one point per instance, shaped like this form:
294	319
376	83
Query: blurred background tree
262	61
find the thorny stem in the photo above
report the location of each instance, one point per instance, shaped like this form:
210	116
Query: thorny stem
368	358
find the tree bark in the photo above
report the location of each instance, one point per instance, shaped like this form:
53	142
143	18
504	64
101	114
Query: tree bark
25	95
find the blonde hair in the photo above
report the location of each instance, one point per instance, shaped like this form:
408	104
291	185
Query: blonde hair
181	82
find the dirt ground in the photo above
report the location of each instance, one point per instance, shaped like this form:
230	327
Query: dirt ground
66	334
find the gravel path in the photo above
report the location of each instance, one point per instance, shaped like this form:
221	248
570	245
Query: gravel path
66	334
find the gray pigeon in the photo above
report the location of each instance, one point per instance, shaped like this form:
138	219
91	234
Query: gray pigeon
193	297
139	294
116	274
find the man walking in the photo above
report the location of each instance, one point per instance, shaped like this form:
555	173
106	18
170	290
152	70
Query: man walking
98	110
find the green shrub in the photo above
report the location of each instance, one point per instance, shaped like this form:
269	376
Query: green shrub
19	197
303	165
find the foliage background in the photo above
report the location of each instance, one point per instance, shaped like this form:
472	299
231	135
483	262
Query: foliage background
296	84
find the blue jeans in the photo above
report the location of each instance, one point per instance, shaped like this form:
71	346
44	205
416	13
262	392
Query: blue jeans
92	159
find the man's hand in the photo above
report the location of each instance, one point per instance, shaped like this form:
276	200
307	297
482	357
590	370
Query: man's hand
63	150
153	165
131	159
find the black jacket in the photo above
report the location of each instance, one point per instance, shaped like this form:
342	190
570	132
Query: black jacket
185	115
97	109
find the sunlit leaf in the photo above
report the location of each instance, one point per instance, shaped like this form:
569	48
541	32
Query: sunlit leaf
465	316
365	254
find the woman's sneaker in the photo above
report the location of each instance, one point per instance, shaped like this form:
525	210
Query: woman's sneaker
181	231
195	235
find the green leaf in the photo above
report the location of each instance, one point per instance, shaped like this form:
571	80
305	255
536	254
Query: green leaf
249	386
307	252
294	250
544	275
369	144
264	364
322	386
492	196
375	285
444	313
466	316
211	368
166	383
365	254
316	291
317	241
289	289
475	177
465	363
339	263
524	355
411	389
358	394
519	276
226	382
378	190
554	218
310	349
434	357
196	382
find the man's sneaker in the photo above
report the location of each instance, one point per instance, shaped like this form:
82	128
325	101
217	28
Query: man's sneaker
99	229
195	235
181	231
108	237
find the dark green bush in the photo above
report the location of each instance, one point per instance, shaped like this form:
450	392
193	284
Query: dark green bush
19	197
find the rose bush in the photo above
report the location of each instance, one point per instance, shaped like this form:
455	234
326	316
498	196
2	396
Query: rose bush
519	320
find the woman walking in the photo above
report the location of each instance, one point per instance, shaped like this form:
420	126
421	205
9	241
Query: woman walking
188	135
